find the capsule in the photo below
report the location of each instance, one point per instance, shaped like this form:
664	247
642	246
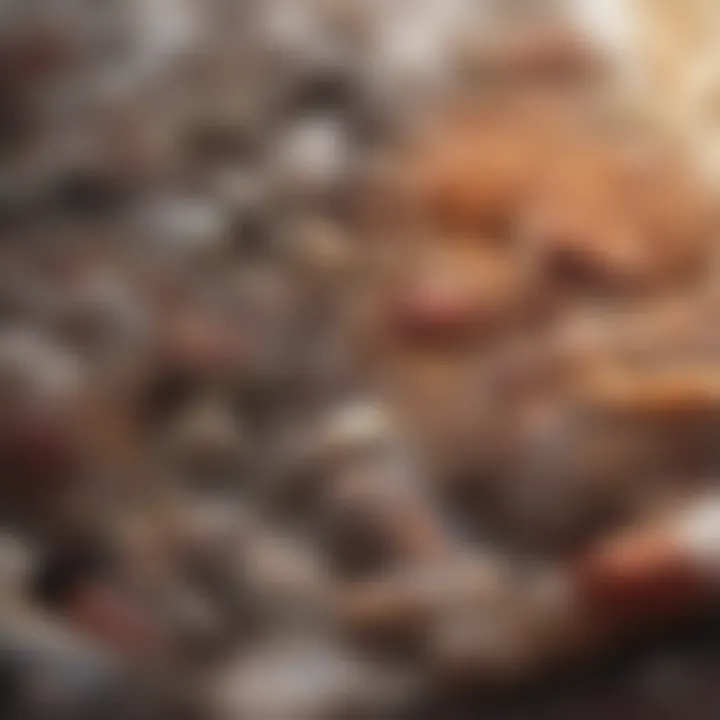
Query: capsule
458	294
666	568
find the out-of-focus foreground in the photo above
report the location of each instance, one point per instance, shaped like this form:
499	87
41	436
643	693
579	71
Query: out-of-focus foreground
358	360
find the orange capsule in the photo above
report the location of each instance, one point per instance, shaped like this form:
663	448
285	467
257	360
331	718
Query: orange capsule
673	395
436	313
477	185
457	294
638	577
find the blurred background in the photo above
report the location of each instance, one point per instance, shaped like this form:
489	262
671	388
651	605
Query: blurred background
358	359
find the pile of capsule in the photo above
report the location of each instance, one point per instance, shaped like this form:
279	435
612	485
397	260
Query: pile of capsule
356	361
